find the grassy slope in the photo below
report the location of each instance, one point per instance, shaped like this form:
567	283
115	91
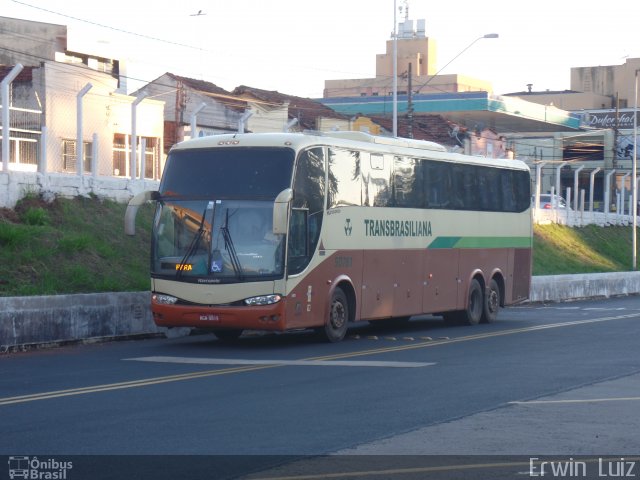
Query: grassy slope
71	246
558	250
79	246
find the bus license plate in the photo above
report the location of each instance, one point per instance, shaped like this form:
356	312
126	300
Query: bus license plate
209	317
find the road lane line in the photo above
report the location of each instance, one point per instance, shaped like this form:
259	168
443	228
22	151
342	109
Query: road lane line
129	384
584	400
280	363
395	472
480	336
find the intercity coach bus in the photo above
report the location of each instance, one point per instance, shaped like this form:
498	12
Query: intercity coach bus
288	231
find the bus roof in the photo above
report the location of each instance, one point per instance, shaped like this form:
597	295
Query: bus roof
345	139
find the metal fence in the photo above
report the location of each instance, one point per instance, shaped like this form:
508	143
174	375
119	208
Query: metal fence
580	218
101	122
583	213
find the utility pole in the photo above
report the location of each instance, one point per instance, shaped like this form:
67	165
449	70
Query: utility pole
614	163
395	71
409	105
180	107
634	173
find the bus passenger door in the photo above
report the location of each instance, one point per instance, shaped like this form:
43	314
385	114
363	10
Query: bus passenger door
441	277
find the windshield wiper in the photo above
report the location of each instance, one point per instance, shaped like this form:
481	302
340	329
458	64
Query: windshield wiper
228	245
194	243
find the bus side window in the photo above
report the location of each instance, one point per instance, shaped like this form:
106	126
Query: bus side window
345	177
408	183
522	182
508	189
488	182
438	189
298	233
377	174
307	209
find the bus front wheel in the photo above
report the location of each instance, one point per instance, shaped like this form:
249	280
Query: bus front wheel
336	326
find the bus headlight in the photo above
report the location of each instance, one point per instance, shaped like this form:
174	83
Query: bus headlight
263	300
164	299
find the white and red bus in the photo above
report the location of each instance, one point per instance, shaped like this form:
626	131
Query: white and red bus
281	231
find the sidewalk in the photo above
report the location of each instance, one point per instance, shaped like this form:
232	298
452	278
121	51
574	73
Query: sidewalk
599	419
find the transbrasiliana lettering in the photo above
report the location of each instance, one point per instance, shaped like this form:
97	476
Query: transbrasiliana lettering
397	228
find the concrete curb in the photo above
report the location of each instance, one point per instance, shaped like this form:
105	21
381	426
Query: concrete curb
59	319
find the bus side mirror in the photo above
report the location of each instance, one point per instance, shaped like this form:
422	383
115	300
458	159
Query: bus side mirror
280	209
132	209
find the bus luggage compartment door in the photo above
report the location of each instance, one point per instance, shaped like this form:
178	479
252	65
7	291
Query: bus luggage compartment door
378	284
441	280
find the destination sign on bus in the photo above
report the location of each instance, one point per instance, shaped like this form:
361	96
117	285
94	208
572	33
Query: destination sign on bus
397	228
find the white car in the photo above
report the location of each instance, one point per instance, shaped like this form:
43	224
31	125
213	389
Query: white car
547	202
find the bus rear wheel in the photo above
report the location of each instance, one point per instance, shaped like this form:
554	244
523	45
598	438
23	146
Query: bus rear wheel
336	326
475	305
491	303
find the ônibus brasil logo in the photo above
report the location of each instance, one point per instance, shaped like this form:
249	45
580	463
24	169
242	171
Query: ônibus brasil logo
35	468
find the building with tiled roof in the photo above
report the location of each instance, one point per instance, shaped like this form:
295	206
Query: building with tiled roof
193	107
302	113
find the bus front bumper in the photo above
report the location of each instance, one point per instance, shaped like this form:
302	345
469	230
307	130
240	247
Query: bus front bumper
256	317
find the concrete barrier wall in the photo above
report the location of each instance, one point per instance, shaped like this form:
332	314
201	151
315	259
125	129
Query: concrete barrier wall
16	185
68	318
557	288
63	318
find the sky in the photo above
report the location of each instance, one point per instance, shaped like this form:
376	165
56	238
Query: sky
293	46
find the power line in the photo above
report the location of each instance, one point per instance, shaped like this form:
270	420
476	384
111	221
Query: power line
229	96
148	37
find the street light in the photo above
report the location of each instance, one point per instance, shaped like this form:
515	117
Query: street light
488	35
395	72
633	175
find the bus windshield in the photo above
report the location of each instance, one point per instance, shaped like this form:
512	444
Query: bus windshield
216	241
225	173
214	219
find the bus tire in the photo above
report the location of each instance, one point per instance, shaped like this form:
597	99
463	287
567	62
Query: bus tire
336	326
491	303
475	304
228	335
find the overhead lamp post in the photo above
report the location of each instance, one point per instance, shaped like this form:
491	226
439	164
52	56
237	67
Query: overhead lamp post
488	35
395	70
634	168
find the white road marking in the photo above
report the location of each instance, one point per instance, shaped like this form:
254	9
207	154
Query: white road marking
585	400
603	309
304	363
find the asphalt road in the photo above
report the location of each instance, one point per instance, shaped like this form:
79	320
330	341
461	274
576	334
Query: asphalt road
559	380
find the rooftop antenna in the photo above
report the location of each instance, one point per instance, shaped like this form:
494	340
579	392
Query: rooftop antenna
406	10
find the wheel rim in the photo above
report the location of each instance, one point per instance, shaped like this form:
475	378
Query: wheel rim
338	314
492	301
